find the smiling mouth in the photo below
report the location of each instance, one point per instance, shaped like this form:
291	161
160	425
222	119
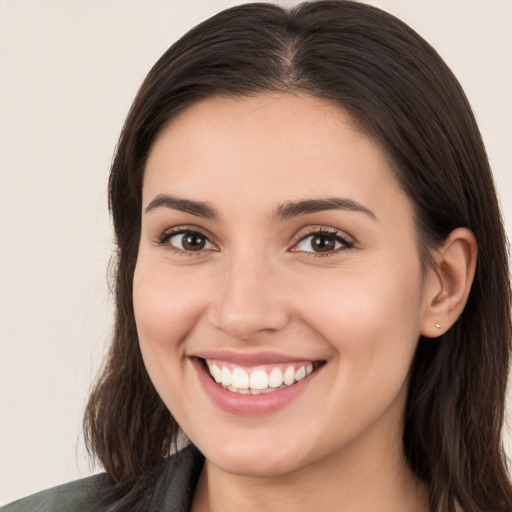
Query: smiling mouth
260	379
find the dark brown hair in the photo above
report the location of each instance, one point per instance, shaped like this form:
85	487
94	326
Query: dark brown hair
401	92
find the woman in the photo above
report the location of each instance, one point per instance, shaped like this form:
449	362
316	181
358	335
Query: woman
298	200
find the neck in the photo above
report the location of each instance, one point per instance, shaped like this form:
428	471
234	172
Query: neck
347	482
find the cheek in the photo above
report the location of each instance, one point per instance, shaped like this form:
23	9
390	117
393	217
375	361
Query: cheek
372	323
366	316
166	306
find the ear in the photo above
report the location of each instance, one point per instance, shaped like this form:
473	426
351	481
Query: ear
449	282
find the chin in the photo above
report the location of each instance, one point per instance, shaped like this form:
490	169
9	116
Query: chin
267	457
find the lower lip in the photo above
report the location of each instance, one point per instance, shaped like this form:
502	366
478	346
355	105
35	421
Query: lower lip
250	405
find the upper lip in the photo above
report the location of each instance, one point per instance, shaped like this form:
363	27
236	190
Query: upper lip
251	358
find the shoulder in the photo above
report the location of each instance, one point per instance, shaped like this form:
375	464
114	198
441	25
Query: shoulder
79	496
173	485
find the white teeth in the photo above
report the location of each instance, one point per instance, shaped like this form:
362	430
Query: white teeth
216	373
275	379
260	391
300	373
226	376
289	376
258	380
240	379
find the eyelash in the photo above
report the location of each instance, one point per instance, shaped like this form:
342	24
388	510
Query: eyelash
335	234
165	237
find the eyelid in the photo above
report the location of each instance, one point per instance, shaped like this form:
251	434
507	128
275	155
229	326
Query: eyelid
341	236
163	238
346	240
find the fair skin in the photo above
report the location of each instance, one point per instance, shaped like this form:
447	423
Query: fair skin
237	276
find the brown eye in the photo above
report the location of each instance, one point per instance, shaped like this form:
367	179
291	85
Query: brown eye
322	242
193	242
190	241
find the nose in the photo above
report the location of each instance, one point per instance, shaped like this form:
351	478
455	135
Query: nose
250	302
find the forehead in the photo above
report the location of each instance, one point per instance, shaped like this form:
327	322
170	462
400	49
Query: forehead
272	147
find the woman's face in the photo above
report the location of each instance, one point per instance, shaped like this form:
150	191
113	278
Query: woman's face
277	249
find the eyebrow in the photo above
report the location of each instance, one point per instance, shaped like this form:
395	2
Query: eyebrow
197	208
282	213
294	209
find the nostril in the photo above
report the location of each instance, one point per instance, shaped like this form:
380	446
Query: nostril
250	321
249	303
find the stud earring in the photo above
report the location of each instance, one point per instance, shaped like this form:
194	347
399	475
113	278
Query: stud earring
438	325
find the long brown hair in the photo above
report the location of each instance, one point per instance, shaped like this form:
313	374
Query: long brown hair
398	88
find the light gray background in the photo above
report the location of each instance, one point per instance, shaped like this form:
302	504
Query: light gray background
68	73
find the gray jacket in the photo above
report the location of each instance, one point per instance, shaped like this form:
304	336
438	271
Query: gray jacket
171	490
